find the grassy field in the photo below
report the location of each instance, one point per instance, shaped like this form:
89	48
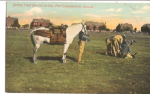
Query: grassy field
98	73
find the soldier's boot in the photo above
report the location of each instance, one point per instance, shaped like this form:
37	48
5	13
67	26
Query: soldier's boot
129	55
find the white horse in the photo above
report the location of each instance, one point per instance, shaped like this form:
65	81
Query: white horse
71	32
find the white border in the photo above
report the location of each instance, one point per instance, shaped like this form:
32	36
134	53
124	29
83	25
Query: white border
89	1
2	35
2	46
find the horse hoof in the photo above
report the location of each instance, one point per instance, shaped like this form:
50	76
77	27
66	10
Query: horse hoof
64	61
34	62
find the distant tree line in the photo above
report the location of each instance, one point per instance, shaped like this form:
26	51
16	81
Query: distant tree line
16	24
102	27
25	26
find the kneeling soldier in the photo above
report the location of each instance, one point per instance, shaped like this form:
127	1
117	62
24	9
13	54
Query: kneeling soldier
109	44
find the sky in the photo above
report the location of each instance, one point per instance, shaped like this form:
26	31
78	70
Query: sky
58	13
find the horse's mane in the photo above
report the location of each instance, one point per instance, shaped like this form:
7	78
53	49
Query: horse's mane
77	23
74	24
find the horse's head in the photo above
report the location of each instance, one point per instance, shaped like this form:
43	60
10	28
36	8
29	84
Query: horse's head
86	35
84	26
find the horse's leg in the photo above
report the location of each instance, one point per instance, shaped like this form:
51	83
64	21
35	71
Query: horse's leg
34	53
65	52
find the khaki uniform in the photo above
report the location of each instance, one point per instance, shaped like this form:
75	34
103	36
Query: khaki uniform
109	45
81	49
115	43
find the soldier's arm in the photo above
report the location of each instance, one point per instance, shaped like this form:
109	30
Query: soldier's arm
121	40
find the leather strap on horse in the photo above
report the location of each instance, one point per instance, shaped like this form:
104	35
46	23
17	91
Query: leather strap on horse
83	28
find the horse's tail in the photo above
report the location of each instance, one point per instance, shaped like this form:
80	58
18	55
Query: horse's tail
32	38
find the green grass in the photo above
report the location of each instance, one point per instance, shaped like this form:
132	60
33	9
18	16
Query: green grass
98	73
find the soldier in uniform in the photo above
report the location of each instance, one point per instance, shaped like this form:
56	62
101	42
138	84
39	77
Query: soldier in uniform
113	43
125	51
82	38
116	42
108	43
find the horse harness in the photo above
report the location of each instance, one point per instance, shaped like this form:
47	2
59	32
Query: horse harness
57	34
82	35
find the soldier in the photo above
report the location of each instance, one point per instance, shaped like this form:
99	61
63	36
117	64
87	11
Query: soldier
125	51
116	42
108	43
82	38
